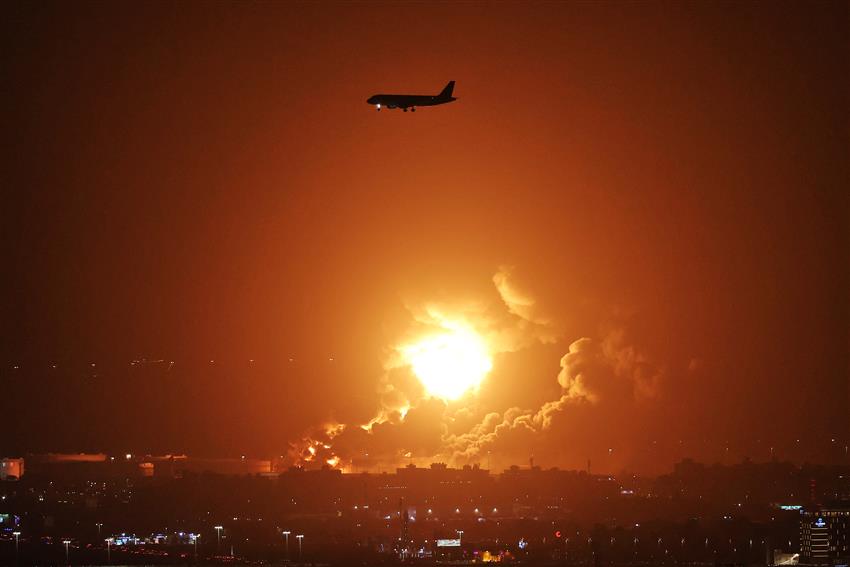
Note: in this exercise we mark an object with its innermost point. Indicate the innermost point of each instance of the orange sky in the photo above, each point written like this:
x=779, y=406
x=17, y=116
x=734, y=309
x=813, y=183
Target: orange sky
x=205, y=181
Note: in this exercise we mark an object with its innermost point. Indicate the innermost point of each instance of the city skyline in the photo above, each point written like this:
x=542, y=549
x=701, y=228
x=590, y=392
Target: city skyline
x=88, y=510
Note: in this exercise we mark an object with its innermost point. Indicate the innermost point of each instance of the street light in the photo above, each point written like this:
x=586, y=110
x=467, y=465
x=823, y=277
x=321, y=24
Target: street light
x=99, y=525
x=109, y=541
x=17, y=535
x=286, y=535
x=195, y=541
x=218, y=534
x=67, y=543
x=299, y=537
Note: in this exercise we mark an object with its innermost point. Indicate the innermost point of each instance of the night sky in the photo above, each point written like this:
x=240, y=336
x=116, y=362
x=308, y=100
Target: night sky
x=195, y=182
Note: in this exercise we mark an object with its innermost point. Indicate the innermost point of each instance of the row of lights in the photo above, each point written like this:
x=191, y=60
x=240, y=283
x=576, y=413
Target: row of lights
x=109, y=541
x=65, y=542
x=170, y=363
x=300, y=537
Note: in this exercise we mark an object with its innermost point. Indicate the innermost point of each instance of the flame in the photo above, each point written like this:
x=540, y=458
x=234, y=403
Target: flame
x=450, y=359
x=451, y=362
x=316, y=448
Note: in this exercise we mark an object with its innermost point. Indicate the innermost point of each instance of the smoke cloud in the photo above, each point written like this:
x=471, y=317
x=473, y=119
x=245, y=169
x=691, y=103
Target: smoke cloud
x=598, y=378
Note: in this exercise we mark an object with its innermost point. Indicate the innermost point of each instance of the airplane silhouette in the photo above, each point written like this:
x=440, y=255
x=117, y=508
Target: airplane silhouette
x=412, y=101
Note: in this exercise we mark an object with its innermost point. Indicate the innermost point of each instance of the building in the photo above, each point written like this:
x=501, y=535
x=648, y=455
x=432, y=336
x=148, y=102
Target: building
x=11, y=469
x=824, y=535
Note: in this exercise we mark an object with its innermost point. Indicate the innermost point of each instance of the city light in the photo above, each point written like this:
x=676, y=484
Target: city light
x=286, y=536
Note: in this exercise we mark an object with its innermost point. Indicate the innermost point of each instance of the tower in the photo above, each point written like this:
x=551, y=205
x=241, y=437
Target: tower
x=404, y=539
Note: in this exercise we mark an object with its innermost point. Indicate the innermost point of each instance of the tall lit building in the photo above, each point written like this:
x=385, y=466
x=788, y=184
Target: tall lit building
x=824, y=534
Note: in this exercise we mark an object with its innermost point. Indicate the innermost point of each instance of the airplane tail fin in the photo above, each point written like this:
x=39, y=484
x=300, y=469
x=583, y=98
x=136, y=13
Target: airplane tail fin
x=447, y=92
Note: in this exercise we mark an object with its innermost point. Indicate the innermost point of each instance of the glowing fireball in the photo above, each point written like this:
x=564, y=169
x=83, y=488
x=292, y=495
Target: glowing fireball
x=450, y=363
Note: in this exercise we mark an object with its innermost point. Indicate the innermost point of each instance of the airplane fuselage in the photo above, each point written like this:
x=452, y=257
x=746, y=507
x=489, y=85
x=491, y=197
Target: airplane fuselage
x=406, y=102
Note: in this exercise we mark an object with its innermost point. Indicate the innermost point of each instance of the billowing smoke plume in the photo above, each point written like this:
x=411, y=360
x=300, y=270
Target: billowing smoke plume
x=591, y=372
x=597, y=376
x=531, y=323
x=608, y=368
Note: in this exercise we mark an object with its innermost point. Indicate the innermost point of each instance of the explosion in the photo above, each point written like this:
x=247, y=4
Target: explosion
x=445, y=355
x=450, y=363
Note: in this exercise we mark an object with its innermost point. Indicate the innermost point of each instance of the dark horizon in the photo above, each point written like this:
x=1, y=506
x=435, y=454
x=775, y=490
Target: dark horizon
x=129, y=408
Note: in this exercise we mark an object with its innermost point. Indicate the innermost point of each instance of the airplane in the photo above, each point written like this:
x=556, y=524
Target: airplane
x=412, y=101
